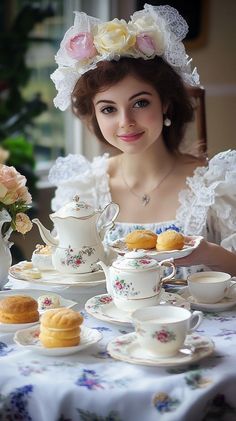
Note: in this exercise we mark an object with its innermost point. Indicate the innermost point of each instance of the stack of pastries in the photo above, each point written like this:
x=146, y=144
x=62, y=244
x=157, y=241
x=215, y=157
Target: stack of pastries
x=18, y=309
x=146, y=239
x=60, y=327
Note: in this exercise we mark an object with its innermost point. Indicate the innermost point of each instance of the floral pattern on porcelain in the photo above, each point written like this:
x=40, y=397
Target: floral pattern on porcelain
x=98, y=301
x=75, y=260
x=164, y=335
x=122, y=288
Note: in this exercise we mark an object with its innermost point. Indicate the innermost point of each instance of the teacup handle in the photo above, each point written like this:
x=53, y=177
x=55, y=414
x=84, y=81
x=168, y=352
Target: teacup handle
x=231, y=288
x=168, y=263
x=195, y=320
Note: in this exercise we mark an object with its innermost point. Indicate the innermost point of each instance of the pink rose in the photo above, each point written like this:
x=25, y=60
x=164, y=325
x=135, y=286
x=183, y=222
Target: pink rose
x=12, y=186
x=81, y=46
x=145, y=44
x=23, y=223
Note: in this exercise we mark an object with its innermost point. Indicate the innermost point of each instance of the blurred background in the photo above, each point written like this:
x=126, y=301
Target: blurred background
x=36, y=133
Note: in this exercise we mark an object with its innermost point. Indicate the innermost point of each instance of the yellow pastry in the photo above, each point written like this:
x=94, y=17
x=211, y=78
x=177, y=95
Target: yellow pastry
x=170, y=240
x=60, y=327
x=141, y=239
x=18, y=309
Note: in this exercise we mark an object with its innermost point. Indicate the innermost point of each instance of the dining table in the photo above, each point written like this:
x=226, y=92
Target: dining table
x=112, y=380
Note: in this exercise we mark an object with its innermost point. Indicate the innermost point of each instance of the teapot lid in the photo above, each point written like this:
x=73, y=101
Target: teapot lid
x=75, y=209
x=135, y=260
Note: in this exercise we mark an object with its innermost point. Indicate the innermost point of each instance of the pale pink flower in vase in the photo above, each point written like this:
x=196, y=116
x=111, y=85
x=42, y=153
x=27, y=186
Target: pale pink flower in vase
x=81, y=47
x=14, y=202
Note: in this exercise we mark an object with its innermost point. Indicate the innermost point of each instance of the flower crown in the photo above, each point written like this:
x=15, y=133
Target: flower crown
x=153, y=31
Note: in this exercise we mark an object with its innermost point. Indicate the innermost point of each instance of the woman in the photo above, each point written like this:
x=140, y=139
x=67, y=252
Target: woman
x=127, y=83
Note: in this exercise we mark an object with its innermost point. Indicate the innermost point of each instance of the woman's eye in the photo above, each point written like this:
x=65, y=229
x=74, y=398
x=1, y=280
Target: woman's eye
x=141, y=103
x=107, y=110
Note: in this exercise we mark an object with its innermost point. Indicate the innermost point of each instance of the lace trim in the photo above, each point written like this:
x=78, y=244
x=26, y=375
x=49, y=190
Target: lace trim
x=211, y=193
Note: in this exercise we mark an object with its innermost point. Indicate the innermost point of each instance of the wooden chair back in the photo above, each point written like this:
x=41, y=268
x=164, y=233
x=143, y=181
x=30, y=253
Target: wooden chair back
x=197, y=93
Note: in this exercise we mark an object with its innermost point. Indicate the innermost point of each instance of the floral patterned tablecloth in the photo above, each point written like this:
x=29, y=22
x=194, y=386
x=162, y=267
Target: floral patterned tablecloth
x=91, y=386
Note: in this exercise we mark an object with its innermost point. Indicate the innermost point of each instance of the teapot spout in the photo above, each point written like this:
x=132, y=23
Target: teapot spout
x=105, y=268
x=107, y=275
x=47, y=237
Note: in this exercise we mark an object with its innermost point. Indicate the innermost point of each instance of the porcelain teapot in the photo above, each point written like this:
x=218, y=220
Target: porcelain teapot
x=80, y=230
x=135, y=280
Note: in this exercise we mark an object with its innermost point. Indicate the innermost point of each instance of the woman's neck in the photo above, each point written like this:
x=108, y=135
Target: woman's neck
x=149, y=166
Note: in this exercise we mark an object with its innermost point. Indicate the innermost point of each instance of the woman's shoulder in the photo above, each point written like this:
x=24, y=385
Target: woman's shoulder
x=187, y=164
x=210, y=191
x=219, y=168
x=77, y=167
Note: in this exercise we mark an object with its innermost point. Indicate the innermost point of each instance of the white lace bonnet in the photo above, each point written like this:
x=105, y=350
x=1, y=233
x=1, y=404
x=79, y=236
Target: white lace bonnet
x=153, y=31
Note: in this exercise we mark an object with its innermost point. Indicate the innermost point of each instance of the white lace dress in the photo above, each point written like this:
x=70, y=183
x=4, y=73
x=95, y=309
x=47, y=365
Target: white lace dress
x=207, y=207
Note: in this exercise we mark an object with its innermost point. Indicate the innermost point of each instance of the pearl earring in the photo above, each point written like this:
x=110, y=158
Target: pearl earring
x=167, y=122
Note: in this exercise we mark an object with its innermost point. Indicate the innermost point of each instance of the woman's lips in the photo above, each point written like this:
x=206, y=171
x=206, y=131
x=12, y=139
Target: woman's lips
x=131, y=137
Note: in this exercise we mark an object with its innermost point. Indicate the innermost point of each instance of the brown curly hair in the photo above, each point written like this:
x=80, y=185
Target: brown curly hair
x=157, y=72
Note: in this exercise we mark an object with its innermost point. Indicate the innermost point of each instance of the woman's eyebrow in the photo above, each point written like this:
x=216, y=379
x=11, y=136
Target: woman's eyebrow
x=108, y=101
x=139, y=93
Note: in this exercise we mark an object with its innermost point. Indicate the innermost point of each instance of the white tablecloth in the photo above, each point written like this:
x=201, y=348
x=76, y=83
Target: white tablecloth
x=90, y=385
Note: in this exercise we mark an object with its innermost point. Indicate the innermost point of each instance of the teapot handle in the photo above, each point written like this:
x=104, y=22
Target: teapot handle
x=110, y=222
x=170, y=263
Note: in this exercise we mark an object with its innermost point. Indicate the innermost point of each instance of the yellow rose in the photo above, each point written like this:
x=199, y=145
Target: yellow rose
x=113, y=37
x=147, y=25
x=23, y=223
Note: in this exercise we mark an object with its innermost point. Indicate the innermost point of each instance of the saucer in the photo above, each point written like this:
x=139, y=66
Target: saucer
x=102, y=307
x=119, y=246
x=13, y=327
x=28, y=338
x=53, y=277
x=224, y=304
x=36, y=293
x=127, y=348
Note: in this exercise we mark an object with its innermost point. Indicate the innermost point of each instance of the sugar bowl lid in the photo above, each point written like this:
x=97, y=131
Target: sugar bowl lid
x=75, y=209
x=135, y=260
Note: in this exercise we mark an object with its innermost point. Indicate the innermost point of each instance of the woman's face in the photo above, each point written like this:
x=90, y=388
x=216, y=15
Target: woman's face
x=130, y=115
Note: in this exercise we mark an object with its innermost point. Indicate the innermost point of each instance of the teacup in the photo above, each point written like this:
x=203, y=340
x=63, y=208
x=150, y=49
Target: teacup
x=210, y=287
x=161, y=330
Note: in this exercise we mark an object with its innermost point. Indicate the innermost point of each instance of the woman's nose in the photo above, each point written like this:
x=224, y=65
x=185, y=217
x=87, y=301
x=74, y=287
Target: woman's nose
x=127, y=120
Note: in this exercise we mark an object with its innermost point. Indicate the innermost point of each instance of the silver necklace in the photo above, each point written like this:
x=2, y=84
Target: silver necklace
x=146, y=197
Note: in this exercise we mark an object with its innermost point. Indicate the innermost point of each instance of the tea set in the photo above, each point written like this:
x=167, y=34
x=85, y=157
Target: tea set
x=134, y=283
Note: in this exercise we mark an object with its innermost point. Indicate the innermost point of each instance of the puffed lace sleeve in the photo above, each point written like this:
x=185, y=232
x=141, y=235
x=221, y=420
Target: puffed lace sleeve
x=74, y=174
x=208, y=205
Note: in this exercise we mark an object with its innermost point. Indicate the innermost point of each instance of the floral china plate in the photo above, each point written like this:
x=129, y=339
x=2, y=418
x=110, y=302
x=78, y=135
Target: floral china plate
x=53, y=277
x=120, y=247
x=29, y=339
x=127, y=348
x=102, y=307
x=223, y=305
x=36, y=293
